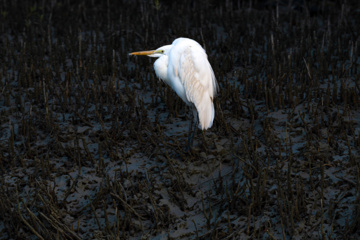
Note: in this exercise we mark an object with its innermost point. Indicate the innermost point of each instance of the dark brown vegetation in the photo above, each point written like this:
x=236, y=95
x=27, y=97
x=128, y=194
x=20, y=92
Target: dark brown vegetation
x=92, y=144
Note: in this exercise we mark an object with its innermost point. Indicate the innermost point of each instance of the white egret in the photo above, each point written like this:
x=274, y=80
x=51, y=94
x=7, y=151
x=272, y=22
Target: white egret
x=184, y=66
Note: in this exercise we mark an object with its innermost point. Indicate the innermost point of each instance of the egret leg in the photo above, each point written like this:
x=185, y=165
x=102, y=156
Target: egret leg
x=189, y=135
x=192, y=131
x=204, y=138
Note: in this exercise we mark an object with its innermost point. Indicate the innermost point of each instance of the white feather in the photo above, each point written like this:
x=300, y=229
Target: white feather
x=184, y=66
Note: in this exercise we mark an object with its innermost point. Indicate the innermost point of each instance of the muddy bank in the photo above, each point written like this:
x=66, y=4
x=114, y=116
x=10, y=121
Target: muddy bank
x=92, y=144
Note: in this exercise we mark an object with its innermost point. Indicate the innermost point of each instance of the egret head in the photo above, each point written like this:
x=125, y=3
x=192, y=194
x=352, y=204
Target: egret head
x=164, y=50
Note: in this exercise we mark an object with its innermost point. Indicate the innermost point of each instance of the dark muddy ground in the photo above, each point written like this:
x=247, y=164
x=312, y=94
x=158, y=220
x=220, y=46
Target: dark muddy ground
x=92, y=143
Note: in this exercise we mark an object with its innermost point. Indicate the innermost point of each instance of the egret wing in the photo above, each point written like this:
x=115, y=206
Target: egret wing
x=194, y=71
x=196, y=74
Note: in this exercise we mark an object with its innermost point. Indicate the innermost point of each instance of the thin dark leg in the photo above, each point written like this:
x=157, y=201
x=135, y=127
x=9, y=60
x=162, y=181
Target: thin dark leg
x=189, y=144
x=204, y=138
x=192, y=132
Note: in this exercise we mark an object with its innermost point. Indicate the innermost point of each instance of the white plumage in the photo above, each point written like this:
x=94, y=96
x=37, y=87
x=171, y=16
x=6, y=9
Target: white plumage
x=184, y=66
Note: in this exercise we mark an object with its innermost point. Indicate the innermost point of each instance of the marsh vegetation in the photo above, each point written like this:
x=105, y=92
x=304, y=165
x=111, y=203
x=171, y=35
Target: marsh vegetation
x=92, y=143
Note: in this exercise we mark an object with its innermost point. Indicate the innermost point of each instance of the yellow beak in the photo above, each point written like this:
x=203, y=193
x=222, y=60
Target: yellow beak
x=143, y=52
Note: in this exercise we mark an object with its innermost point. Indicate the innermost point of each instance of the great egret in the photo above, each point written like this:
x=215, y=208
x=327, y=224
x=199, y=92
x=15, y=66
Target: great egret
x=184, y=66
